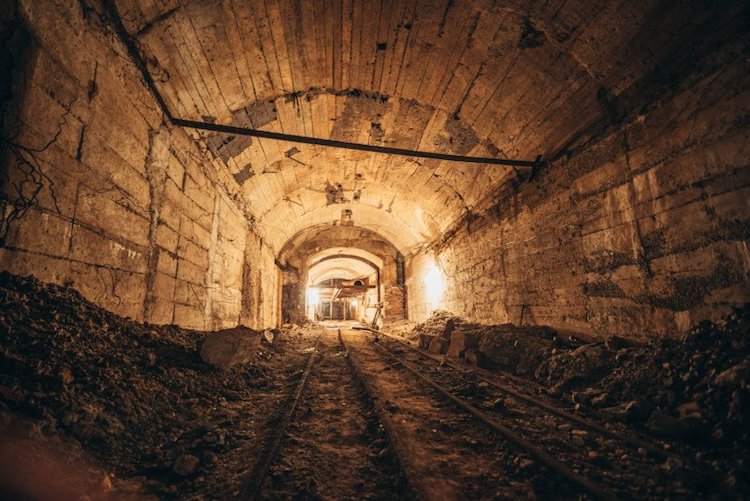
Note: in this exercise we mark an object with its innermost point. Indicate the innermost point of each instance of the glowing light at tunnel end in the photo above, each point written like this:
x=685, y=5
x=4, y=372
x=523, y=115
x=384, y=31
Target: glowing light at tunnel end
x=313, y=297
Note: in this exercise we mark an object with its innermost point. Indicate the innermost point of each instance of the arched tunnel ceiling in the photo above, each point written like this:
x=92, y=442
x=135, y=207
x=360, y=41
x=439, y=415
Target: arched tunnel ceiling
x=344, y=267
x=317, y=241
x=336, y=252
x=475, y=77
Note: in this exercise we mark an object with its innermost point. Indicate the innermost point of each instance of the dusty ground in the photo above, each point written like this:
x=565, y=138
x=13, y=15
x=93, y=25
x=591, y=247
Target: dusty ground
x=95, y=405
x=335, y=447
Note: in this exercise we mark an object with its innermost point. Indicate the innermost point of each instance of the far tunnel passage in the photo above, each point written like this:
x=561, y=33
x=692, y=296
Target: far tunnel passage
x=343, y=287
x=342, y=273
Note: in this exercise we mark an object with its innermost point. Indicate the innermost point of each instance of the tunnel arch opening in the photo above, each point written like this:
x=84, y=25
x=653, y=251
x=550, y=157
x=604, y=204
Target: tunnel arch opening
x=350, y=265
x=343, y=287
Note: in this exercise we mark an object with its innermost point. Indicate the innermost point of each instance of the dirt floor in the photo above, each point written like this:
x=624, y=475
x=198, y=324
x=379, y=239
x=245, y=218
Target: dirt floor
x=95, y=405
x=335, y=447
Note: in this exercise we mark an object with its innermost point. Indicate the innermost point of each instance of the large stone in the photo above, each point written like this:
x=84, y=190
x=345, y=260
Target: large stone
x=186, y=464
x=438, y=345
x=229, y=347
x=461, y=341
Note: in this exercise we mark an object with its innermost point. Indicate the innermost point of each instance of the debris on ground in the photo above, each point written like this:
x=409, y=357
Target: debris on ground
x=695, y=389
x=229, y=347
x=136, y=396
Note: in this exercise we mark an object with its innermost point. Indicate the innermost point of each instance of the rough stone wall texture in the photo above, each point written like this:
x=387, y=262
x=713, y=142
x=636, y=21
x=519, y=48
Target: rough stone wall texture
x=642, y=231
x=261, y=277
x=114, y=203
x=393, y=302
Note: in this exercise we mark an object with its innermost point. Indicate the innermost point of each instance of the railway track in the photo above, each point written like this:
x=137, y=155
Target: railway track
x=516, y=387
x=329, y=442
x=601, y=462
x=448, y=453
x=376, y=418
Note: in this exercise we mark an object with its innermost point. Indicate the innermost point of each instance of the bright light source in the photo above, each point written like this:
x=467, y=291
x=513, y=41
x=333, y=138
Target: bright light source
x=434, y=284
x=313, y=297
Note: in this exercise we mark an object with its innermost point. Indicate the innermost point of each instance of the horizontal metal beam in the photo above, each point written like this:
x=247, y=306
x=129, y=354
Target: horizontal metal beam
x=292, y=138
x=133, y=51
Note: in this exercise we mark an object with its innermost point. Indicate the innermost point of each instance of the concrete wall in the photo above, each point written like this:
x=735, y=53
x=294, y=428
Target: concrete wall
x=261, y=301
x=641, y=231
x=98, y=193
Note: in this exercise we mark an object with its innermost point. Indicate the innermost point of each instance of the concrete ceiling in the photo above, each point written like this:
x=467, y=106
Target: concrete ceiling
x=475, y=77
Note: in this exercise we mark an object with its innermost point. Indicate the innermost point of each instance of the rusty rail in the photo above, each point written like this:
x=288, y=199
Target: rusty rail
x=585, y=484
x=587, y=423
x=399, y=448
x=254, y=482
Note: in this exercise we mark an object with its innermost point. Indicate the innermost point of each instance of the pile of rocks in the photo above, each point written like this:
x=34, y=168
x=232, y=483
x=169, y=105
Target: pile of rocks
x=695, y=389
x=517, y=349
x=137, y=395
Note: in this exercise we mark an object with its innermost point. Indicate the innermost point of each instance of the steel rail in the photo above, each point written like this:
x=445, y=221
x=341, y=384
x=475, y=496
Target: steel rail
x=656, y=451
x=399, y=448
x=254, y=482
x=584, y=483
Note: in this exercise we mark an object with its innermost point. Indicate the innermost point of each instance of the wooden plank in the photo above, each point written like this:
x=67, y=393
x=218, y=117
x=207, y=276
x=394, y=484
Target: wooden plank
x=386, y=10
x=368, y=44
x=356, y=44
x=338, y=44
x=191, y=39
x=238, y=51
x=458, y=26
x=401, y=42
x=266, y=41
x=209, y=22
x=417, y=64
x=346, y=43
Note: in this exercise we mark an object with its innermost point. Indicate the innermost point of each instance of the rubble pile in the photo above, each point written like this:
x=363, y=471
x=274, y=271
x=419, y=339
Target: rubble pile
x=519, y=349
x=136, y=395
x=695, y=389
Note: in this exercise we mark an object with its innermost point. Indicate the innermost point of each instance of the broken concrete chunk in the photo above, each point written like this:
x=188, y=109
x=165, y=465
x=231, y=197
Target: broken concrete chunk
x=461, y=341
x=268, y=336
x=229, y=347
x=185, y=464
x=663, y=424
x=438, y=346
x=734, y=375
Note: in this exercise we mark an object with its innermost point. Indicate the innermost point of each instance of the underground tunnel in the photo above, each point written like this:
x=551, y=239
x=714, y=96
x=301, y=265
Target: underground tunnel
x=381, y=249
